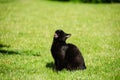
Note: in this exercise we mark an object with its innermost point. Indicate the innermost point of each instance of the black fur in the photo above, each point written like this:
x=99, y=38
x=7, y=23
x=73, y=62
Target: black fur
x=66, y=55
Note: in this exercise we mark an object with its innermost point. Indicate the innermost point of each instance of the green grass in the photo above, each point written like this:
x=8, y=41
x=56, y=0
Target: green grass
x=26, y=32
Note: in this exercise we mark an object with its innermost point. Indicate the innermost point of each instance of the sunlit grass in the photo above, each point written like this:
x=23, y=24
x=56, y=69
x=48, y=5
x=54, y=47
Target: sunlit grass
x=27, y=27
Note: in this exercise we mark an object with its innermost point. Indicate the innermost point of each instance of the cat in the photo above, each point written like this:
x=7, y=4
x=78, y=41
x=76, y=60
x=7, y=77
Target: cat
x=66, y=55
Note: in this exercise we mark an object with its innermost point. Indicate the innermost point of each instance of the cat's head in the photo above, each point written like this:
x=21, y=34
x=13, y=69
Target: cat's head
x=60, y=35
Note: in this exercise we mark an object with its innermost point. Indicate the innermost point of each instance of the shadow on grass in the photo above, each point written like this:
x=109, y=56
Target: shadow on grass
x=50, y=65
x=4, y=49
x=2, y=45
x=8, y=52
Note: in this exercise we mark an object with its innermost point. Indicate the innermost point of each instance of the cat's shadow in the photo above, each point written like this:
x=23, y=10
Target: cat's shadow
x=50, y=65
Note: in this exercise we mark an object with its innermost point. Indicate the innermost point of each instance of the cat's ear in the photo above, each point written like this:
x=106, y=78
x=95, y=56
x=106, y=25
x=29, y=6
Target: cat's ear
x=68, y=35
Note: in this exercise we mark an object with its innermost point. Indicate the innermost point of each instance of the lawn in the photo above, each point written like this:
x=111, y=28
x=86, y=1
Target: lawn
x=26, y=33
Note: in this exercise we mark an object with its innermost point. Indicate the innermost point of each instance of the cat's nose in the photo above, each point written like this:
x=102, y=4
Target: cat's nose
x=55, y=35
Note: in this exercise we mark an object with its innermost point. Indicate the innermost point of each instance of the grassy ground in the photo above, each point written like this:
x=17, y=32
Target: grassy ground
x=27, y=28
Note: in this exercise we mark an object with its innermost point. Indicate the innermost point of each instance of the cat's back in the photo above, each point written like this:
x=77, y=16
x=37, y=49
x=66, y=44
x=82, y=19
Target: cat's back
x=72, y=47
x=72, y=50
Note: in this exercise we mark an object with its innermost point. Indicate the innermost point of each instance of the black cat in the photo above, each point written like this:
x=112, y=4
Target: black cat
x=66, y=55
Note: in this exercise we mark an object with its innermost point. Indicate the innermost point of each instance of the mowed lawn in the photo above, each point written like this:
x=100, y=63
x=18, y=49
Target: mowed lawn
x=26, y=33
